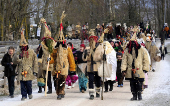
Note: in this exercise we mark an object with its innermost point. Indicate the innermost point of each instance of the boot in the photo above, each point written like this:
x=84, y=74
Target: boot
x=23, y=99
x=30, y=96
x=49, y=91
x=91, y=97
x=91, y=93
x=97, y=95
x=106, y=86
x=134, y=96
x=40, y=89
x=111, y=86
x=62, y=96
x=139, y=95
x=97, y=92
x=59, y=97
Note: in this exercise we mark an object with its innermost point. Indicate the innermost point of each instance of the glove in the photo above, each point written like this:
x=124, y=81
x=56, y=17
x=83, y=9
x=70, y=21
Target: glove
x=123, y=72
x=104, y=57
x=7, y=64
x=144, y=71
x=48, y=59
x=35, y=74
x=85, y=53
x=75, y=58
x=21, y=56
x=72, y=73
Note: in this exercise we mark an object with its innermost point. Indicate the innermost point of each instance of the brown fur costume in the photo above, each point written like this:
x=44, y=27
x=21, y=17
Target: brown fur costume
x=63, y=60
x=29, y=64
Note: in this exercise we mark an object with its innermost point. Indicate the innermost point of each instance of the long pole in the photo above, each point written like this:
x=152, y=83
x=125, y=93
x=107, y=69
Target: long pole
x=103, y=71
x=165, y=12
x=46, y=77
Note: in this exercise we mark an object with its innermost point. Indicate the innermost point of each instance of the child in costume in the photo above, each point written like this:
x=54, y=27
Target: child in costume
x=71, y=79
x=81, y=69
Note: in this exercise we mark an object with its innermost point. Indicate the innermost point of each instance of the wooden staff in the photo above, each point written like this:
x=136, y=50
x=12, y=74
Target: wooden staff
x=104, y=46
x=46, y=77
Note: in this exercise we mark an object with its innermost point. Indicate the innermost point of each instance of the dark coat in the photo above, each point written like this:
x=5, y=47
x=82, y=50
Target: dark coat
x=9, y=69
x=79, y=55
x=162, y=35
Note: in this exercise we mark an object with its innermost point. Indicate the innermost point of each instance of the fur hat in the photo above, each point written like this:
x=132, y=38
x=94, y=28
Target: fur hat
x=47, y=32
x=60, y=37
x=23, y=41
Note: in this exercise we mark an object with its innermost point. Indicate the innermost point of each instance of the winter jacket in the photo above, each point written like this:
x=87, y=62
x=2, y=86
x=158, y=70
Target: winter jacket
x=29, y=64
x=79, y=55
x=9, y=69
x=141, y=63
x=162, y=35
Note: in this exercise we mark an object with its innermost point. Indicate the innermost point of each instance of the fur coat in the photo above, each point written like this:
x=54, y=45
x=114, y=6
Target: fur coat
x=141, y=63
x=28, y=64
x=89, y=57
x=45, y=56
x=152, y=49
x=62, y=60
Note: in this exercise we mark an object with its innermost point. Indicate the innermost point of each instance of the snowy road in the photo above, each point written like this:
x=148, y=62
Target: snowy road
x=158, y=93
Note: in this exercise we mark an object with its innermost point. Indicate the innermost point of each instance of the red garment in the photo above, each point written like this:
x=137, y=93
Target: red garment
x=83, y=45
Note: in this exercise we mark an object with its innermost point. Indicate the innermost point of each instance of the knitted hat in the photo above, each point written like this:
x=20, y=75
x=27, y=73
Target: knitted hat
x=23, y=41
x=83, y=45
x=60, y=37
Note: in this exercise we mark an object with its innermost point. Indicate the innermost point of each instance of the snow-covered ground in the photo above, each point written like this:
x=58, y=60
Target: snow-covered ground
x=157, y=93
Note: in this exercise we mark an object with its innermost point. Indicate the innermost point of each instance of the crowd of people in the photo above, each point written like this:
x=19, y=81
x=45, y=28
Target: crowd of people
x=131, y=55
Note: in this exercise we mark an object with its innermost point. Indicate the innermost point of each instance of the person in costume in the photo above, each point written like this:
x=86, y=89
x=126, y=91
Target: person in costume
x=145, y=83
x=110, y=64
x=88, y=56
x=63, y=60
x=134, y=63
x=118, y=71
x=71, y=79
x=95, y=56
x=81, y=69
x=153, y=51
x=47, y=46
x=27, y=67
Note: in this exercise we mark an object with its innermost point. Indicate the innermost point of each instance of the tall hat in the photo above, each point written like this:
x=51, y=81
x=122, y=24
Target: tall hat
x=134, y=38
x=60, y=37
x=23, y=41
x=135, y=29
x=102, y=36
x=92, y=35
x=47, y=32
